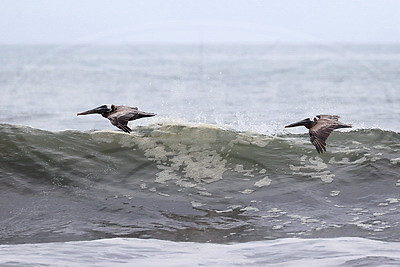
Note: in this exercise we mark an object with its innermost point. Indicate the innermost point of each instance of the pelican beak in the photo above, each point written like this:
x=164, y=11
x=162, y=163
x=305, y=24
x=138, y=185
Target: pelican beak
x=299, y=123
x=98, y=110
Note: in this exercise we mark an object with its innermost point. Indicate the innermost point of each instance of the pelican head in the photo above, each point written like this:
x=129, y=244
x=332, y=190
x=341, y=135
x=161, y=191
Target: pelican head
x=104, y=109
x=306, y=122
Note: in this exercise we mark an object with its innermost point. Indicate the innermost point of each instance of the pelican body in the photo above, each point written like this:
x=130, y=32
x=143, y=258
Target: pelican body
x=119, y=115
x=320, y=128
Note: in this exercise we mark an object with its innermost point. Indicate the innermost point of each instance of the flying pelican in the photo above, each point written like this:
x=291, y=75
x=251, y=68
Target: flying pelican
x=119, y=115
x=320, y=128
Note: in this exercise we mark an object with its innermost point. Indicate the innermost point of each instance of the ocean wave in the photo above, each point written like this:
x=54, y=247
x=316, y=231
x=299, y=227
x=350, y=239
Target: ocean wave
x=189, y=155
x=166, y=179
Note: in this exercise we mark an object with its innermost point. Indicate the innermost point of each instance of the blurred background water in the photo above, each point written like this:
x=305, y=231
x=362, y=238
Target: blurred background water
x=256, y=87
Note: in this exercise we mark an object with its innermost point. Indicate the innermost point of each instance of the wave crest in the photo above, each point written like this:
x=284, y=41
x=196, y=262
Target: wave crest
x=189, y=155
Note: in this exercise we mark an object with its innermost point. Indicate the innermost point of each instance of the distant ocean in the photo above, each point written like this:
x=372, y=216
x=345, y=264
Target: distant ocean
x=214, y=178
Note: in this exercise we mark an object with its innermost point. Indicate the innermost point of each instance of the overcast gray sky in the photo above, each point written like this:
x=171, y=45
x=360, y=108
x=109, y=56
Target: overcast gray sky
x=229, y=21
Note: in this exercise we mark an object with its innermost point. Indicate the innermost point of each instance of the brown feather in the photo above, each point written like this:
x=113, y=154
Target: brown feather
x=322, y=128
x=121, y=115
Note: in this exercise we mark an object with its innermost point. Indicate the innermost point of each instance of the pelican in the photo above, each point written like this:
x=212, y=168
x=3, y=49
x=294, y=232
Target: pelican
x=320, y=127
x=119, y=115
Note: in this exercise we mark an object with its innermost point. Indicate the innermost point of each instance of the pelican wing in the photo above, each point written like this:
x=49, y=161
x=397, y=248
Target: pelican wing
x=134, y=115
x=121, y=117
x=329, y=117
x=120, y=122
x=318, y=138
x=126, y=108
x=322, y=129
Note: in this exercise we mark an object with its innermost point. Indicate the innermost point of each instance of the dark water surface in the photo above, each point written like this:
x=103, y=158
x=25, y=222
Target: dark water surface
x=196, y=183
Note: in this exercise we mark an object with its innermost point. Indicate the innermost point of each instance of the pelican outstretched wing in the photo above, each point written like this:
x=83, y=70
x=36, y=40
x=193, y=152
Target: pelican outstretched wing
x=321, y=131
x=125, y=114
x=120, y=123
x=328, y=117
x=318, y=138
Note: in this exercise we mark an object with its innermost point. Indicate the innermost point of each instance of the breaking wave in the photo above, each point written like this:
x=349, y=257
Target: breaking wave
x=164, y=179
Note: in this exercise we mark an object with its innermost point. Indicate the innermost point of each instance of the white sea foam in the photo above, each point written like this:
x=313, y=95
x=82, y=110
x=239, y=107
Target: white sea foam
x=395, y=161
x=140, y=252
x=263, y=182
x=316, y=169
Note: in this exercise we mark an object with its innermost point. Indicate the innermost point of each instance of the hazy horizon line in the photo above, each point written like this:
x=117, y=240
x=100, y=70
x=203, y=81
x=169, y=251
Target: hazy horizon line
x=167, y=43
